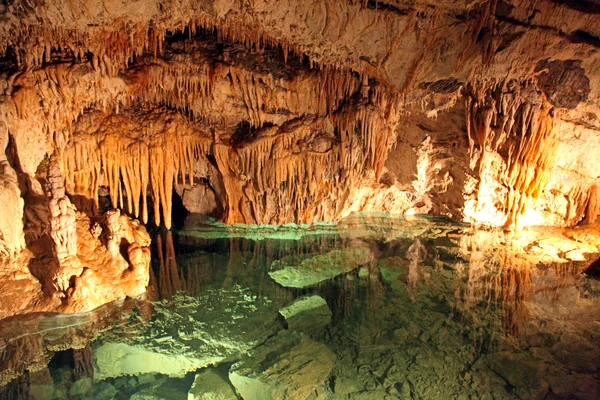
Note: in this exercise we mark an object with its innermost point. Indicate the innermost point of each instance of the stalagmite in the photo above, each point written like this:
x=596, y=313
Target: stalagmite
x=63, y=228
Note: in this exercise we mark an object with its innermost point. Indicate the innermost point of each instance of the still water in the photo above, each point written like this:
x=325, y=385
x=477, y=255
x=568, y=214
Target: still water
x=371, y=308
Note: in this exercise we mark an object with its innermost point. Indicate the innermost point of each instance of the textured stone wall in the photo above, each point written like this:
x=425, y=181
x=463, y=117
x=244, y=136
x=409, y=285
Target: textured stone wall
x=273, y=112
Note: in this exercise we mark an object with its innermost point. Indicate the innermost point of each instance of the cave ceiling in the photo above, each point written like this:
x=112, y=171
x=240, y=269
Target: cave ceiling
x=295, y=111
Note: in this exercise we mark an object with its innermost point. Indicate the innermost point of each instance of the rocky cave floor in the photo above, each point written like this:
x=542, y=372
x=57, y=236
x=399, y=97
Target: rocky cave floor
x=371, y=308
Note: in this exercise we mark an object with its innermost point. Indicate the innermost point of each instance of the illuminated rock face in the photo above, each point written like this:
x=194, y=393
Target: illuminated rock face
x=271, y=113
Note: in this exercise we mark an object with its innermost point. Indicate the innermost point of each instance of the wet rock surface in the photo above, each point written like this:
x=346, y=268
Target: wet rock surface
x=288, y=366
x=209, y=385
x=308, y=314
x=300, y=272
x=189, y=333
x=441, y=311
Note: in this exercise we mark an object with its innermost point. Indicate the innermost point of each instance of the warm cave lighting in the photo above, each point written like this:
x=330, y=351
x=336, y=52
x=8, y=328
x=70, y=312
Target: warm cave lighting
x=334, y=199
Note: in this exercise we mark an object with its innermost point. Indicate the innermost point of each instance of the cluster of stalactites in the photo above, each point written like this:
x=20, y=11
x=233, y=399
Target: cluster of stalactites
x=130, y=166
x=189, y=88
x=306, y=181
x=112, y=48
x=318, y=94
x=185, y=86
x=504, y=118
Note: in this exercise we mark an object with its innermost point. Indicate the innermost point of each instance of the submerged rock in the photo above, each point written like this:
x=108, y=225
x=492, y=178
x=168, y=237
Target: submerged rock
x=288, y=366
x=209, y=385
x=521, y=372
x=308, y=272
x=162, y=389
x=581, y=386
x=188, y=333
x=116, y=359
x=394, y=269
x=47, y=392
x=344, y=386
x=103, y=391
x=81, y=388
x=308, y=314
x=577, y=353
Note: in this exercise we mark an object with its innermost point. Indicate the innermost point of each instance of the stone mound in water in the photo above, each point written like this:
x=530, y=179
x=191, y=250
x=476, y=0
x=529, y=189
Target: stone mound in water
x=287, y=366
x=299, y=273
x=188, y=333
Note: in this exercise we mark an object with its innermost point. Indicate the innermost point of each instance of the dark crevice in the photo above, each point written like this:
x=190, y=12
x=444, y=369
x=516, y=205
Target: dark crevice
x=178, y=211
x=449, y=85
x=378, y=5
x=593, y=270
x=588, y=7
x=517, y=22
x=12, y=155
x=578, y=36
x=8, y=62
x=246, y=133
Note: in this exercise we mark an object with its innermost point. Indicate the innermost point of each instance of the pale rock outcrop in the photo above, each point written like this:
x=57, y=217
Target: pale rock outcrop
x=190, y=333
x=308, y=314
x=12, y=240
x=200, y=198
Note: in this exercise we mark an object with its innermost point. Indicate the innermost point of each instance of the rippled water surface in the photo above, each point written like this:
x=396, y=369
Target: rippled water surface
x=371, y=308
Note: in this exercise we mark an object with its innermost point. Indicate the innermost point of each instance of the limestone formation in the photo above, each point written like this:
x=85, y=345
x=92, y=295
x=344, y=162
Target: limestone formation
x=290, y=112
x=12, y=240
x=63, y=229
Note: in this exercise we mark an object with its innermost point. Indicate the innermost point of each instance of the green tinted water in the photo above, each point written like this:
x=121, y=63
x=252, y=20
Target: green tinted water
x=371, y=308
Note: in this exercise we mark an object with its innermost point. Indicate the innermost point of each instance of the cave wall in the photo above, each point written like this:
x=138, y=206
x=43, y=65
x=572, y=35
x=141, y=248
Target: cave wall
x=276, y=66
x=263, y=112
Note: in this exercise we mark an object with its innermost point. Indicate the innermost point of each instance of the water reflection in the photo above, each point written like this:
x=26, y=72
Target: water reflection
x=432, y=310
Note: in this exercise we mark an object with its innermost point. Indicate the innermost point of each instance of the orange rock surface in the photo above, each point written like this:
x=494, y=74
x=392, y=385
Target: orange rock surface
x=278, y=112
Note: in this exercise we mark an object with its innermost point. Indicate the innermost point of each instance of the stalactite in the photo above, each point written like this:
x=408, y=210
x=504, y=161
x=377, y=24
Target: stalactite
x=187, y=85
x=500, y=119
x=484, y=17
x=279, y=167
x=184, y=86
x=130, y=162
